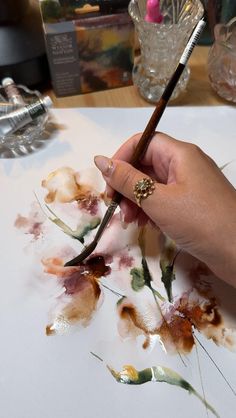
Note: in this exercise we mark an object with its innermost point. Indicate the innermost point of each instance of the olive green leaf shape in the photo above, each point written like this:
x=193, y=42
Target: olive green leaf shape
x=129, y=375
x=142, y=277
x=137, y=282
x=167, y=277
x=78, y=234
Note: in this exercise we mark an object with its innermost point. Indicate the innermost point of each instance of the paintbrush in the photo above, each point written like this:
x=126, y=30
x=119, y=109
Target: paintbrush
x=145, y=139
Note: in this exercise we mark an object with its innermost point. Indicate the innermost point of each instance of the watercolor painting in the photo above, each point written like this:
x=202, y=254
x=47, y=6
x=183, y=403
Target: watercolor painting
x=154, y=305
x=139, y=324
x=106, y=53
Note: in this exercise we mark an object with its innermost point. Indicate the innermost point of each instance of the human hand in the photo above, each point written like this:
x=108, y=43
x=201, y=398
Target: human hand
x=193, y=202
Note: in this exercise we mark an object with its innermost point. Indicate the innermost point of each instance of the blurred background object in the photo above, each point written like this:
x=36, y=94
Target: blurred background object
x=25, y=120
x=216, y=11
x=90, y=44
x=22, y=45
x=161, y=44
x=222, y=61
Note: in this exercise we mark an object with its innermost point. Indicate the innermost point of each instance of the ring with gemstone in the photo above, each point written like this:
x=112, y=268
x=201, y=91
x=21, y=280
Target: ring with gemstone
x=142, y=189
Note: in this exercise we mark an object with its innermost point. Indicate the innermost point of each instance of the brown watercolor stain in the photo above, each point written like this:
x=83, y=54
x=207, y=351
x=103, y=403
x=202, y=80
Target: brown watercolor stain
x=64, y=185
x=134, y=322
x=189, y=315
x=177, y=334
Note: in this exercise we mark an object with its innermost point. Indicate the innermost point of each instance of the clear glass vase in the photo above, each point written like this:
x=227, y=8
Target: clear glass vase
x=161, y=45
x=222, y=61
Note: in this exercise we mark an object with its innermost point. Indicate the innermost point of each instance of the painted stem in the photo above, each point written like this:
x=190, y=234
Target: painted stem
x=217, y=367
x=111, y=290
x=164, y=374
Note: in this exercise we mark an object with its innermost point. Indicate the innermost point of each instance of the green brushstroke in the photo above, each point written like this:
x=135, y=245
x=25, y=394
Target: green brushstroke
x=142, y=277
x=129, y=375
x=167, y=277
x=121, y=300
x=79, y=233
x=147, y=277
x=137, y=282
x=87, y=228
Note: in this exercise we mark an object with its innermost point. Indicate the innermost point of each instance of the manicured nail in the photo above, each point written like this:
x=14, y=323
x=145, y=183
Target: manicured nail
x=104, y=164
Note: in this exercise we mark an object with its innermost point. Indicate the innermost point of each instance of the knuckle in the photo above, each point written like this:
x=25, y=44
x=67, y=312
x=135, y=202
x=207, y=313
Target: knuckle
x=129, y=178
x=124, y=178
x=191, y=151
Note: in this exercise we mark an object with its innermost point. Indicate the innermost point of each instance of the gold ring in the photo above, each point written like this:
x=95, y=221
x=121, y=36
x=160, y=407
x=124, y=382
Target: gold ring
x=142, y=189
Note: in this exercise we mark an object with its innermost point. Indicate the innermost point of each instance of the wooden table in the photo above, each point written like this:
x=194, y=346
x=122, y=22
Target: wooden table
x=198, y=93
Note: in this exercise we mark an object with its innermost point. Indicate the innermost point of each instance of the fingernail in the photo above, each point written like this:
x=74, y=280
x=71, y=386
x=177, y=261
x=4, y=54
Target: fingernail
x=104, y=164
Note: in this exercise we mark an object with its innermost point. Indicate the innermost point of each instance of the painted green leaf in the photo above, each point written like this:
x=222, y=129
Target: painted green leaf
x=137, y=282
x=142, y=277
x=146, y=272
x=78, y=234
x=82, y=232
x=148, y=279
x=167, y=278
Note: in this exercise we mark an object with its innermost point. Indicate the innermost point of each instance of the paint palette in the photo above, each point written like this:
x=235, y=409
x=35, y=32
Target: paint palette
x=101, y=337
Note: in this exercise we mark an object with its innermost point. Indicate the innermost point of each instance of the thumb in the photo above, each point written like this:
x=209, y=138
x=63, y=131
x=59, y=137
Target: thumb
x=123, y=177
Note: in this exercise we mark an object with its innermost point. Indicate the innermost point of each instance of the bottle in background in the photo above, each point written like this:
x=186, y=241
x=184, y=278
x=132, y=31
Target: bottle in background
x=12, y=92
x=7, y=107
x=21, y=117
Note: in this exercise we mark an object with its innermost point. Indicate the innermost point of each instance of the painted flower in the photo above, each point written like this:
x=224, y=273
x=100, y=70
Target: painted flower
x=82, y=292
x=174, y=325
x=63, y=186
x=33, y=223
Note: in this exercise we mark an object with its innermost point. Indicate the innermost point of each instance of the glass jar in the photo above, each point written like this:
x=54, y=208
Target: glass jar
x=222, y=61
x=162, y=44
